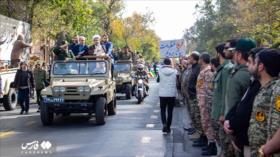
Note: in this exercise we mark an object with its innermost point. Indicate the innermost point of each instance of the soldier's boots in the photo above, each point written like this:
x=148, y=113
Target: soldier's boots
x=211, y=151
x=191, y=131
x=201, y=142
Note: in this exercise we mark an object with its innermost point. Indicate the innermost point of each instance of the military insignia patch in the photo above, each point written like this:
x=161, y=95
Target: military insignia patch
x=260, y=116
x=210, y=86
x=199, y=83
x=277, y=103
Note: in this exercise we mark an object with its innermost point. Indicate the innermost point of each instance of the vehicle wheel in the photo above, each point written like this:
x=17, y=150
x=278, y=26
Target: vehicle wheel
x=112, y=106
x=140, y=97
x=99, y=111
x=46, y=115
x=128, y=91
x=10, y=100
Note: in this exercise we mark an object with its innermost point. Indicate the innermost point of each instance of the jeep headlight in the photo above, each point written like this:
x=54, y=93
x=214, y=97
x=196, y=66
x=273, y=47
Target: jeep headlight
x=56, y=89
x=62, y=89
x=84, y=89
x=59, y=89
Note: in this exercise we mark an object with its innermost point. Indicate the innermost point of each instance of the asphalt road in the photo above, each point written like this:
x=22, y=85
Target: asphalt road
x=134, y=132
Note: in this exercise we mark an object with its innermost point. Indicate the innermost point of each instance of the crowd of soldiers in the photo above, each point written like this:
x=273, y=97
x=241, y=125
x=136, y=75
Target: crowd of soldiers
x=233, y=99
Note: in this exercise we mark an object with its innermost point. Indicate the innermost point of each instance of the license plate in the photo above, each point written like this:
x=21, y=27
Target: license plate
x=53, y=100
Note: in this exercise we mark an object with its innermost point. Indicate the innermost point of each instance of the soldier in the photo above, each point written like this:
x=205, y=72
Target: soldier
x=204, y=89
x=186, y=67
x=40, y=77
x=62, y=52
x=194, y=109
x=237, y=119
x=220, y=80
x=126, y=54
x=237, y=84
x=184, y=89
x=265, y=115
x=229, y=48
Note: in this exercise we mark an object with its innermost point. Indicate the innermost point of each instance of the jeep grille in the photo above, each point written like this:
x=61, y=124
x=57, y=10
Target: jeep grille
x=71, y=91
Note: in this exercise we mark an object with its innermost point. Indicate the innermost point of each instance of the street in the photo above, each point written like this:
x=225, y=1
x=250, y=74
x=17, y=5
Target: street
x=134, y=132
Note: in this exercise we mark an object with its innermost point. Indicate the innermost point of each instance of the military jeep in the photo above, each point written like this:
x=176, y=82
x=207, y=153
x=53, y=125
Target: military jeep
x=122, y=75
x=79, y=86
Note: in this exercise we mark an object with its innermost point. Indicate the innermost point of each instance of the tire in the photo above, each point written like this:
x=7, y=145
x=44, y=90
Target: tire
x=112, y=107
x=99, y=111
x=10, y=100
x=140, y=97
x=128, y=91
x=46, y=115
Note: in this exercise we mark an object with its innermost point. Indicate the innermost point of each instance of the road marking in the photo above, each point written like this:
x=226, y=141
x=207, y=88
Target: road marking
x=17, y=116
x=6, y=134
x=150, y=125
x=154, y=117
x=146, y=139
x=156, y=111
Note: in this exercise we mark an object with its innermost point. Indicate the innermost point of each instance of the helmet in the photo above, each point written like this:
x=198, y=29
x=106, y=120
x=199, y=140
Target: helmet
x=140, y=67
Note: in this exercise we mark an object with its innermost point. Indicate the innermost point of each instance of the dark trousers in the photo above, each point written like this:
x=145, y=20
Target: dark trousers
x=39, y=96
x=166, y=102
x=23, y=99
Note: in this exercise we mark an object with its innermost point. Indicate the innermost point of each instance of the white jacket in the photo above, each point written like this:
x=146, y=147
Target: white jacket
x=167, y=82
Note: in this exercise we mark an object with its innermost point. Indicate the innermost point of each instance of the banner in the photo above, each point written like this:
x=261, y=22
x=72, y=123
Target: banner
x=172, y=48
x=9, y=31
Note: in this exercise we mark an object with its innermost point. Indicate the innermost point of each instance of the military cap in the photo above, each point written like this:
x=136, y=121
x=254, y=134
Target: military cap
x=245, y=45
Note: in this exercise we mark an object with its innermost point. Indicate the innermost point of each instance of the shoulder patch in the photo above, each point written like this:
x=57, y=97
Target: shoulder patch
x=260, y=116
x=199, y=83
x=277, y=103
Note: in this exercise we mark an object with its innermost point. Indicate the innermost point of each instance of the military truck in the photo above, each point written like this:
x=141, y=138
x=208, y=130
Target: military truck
x=79, y=86
x=122, y=74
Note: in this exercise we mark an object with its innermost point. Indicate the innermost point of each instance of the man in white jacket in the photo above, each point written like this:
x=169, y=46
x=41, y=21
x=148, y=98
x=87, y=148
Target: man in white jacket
x=167, y=93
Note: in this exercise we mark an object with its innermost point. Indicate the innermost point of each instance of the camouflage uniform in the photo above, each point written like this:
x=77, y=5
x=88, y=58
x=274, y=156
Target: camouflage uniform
x=184, y=86
x=265, y=117
x=194, y=109
x=204, y=88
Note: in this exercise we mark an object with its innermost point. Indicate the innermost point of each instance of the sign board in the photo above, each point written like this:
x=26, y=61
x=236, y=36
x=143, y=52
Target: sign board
x=172, y=48
x=9, y=31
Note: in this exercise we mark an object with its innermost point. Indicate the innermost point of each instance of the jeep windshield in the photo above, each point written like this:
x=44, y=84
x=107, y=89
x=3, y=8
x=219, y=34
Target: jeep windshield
x=79, y=68
x=122, y=68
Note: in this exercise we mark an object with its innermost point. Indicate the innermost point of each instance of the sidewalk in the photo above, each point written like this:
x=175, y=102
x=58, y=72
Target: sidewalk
x=182, y=145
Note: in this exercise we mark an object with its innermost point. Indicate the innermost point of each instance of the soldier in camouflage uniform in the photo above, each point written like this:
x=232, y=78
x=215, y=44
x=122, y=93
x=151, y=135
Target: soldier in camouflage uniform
x=194, y=109
x=265, y=117
x=204, y=89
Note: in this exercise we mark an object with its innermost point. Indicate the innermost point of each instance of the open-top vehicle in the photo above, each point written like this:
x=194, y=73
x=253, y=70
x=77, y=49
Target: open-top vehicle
x=80, y=86
x=122, y=74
